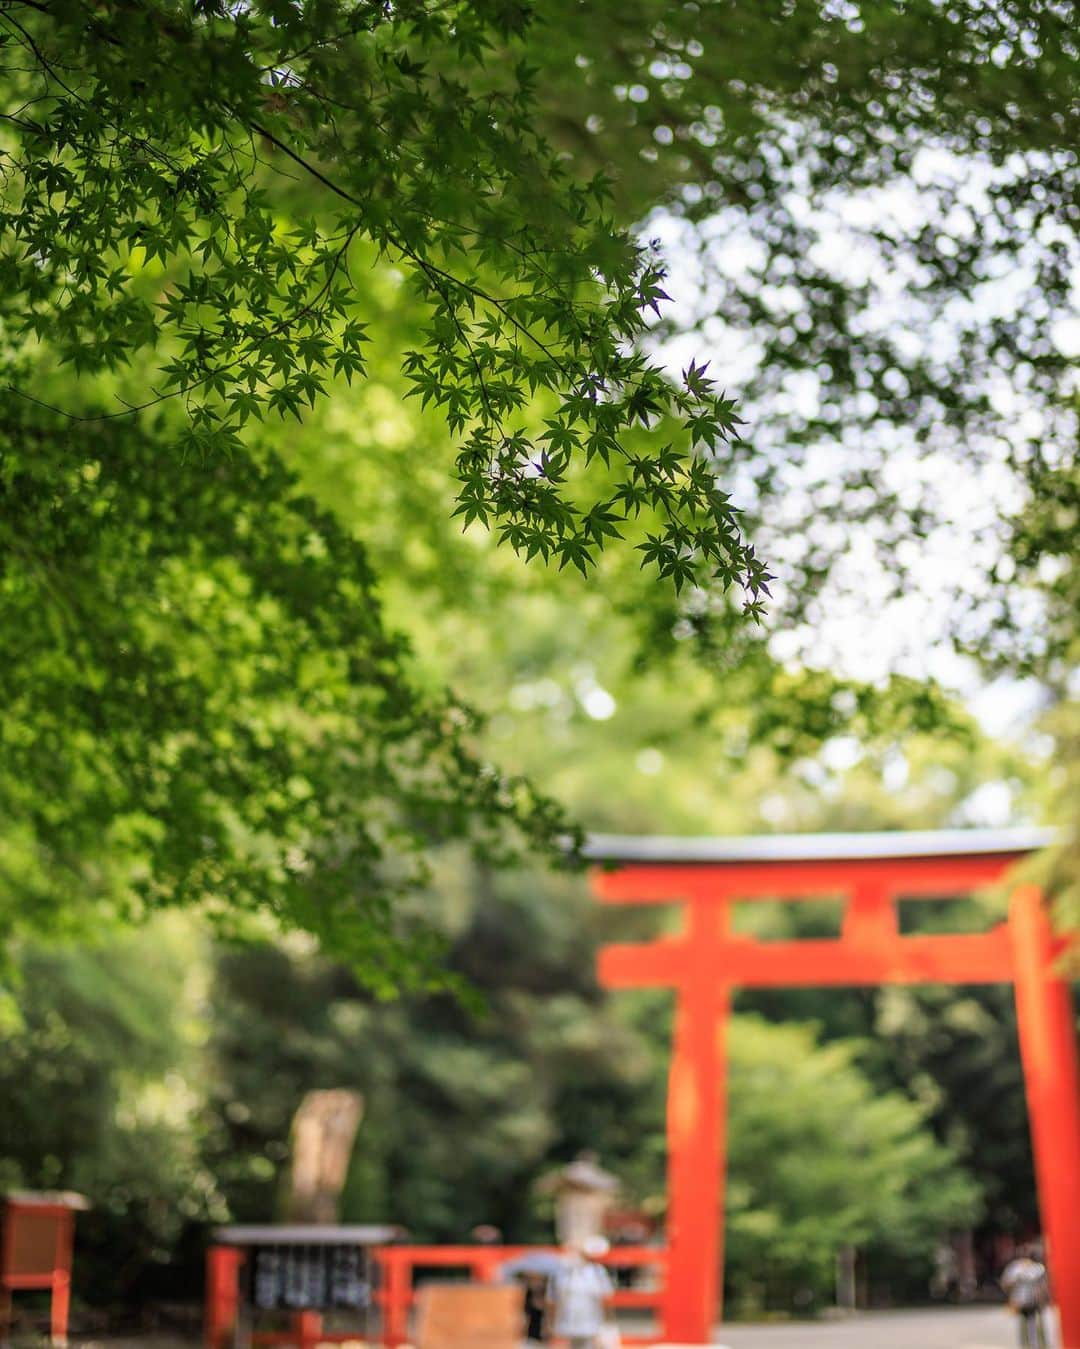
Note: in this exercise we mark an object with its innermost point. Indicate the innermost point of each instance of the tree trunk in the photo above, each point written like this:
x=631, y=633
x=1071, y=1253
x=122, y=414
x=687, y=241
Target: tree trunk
x=845, y=1278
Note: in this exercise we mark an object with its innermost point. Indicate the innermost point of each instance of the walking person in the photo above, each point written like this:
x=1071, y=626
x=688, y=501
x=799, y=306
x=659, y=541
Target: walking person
x=579, y=1290
x=536, y=1309
x=1026, y=1287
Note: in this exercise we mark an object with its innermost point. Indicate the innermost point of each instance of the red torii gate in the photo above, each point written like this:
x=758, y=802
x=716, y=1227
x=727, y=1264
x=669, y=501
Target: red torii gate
x=870, y=873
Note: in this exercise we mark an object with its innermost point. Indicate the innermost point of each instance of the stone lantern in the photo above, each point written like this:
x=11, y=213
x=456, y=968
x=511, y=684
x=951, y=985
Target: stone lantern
x=584, y=1193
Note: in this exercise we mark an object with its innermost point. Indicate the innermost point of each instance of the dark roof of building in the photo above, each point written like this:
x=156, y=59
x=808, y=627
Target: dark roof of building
x=306, y=1234
x=816, y=847
x=47, y=1198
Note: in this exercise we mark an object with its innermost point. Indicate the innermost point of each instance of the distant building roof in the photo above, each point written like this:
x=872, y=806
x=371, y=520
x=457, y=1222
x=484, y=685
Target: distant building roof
x=306, y=1234
x=816, y=847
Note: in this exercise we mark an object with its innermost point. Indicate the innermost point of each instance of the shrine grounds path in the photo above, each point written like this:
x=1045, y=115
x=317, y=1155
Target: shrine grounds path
x=945, y=1328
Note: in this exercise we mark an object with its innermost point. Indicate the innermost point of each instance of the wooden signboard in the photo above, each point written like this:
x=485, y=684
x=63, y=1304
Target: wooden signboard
x=309, y=1277
x=35, y=1253
x=469, y=1316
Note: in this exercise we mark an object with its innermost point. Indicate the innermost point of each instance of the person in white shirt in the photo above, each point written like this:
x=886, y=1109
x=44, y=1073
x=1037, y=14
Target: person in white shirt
x=579, y=1290
x=1025, y=1284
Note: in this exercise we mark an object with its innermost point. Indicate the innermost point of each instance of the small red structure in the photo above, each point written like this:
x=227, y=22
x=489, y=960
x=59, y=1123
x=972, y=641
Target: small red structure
x=35, y=1253
x=297, y=1272
x=869, y=873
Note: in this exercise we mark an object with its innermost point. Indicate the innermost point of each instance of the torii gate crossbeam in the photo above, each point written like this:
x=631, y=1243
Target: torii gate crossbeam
x=870, y=873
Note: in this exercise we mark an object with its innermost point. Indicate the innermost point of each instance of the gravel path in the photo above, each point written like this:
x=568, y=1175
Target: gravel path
x=948, y=1328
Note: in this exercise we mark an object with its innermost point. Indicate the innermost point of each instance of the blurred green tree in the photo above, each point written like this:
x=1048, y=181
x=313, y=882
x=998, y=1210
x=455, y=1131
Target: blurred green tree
x=821, y=1159
x=100, y=1067
x=199, y=238
x=205, y=699
x=206, y=703
x=820, y=1156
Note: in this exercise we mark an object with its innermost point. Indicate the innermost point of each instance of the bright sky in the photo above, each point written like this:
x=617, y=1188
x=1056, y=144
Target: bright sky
x=862, y=630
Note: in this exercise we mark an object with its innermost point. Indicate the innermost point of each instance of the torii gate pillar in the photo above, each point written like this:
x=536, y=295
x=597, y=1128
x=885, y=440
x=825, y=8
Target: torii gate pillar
x=1046, y=1022
x=870, y=872
x=696, y=1130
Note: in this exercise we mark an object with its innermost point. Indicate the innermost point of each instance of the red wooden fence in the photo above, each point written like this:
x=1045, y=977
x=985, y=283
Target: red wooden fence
x=399, y=1266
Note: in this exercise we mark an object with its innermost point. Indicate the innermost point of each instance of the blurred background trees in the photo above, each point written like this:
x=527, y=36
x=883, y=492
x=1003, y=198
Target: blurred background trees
x=226, y=678
x=878, y=1119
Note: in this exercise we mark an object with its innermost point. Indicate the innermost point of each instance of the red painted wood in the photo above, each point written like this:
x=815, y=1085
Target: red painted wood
x=397, y=1292
x=658, y=964
x=307, y=1329
x=870, y=919
x=908, y=877
x=291, y=1337
x=59, y=1307
x=54, y=1270
x=696, y=1119
x=966, y=958
x=483, y=1262
x=705, y=962
x=395, y=1296
x=981, y=957
x=61, y=1288
x=1047, y=1028
x=222, y=1295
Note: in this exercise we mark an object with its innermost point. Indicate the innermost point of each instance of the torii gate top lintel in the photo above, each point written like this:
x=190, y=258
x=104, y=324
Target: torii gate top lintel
x=869, y=873
x=628, y=849
x=655, y=869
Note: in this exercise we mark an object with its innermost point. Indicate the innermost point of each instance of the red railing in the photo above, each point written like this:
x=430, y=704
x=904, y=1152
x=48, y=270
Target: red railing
x=396, y=1292
x=482, y=1263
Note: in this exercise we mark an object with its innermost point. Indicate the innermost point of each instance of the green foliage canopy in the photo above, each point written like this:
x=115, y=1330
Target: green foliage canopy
x=100, y=1072
x=194, y=198
x=463, y=1113
x=820, y=1159
x=152, y=147
x=203, y=704
x=189, y=194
